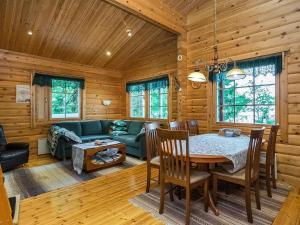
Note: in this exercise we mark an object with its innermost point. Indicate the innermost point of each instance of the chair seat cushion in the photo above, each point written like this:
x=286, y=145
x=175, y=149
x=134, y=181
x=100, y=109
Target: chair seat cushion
x=16, y=146
x=12, y=154
x=240, y=175
x=197, y=176
x=88, y=138
x=155, y=161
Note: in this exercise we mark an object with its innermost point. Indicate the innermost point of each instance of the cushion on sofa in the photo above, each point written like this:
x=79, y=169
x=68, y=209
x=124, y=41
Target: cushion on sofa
x=106, y=126
x=71, y=126
x=91, y=128
x=135, y=127
x=88, y=138
x=128, y=139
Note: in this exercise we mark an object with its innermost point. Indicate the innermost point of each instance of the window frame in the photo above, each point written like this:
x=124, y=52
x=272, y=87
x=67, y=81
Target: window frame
x=252, y=125
x=144, y=96
x=147, y=105
x=80, y=99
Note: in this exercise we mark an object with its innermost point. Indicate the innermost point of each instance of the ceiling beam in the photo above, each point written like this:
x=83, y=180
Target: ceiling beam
x=153, y=11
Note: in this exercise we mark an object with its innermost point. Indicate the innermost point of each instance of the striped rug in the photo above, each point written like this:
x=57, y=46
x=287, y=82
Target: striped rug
x=33, y=181
x=231, y=206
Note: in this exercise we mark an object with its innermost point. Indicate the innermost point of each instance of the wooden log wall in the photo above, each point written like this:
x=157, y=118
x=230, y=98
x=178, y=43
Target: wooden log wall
x=16, y=68
x=247, y=29
x=156, y=60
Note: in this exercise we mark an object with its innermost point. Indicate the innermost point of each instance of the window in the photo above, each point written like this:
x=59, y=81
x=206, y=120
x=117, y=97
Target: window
x=249, y=100
x=137, y=104
x=158, y=103
x=65, y=99
x=149, y=99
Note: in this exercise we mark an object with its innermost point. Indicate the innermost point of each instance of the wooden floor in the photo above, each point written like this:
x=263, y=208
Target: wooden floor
x=104, y=200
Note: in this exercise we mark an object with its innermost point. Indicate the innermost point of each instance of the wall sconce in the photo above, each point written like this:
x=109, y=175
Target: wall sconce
x=106, y=103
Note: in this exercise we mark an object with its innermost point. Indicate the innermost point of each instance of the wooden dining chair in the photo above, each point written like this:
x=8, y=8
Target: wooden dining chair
x=192, y=126
x=152, y=151
x=267, y=160
x=177, y=125
x=247, y=176
x=175, y=169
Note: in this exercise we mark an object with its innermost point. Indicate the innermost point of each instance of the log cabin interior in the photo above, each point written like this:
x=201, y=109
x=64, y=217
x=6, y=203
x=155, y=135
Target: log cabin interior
x=150, y=112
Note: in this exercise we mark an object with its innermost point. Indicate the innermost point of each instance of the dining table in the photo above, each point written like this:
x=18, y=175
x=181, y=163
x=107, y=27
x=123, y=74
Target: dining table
x=214, y=148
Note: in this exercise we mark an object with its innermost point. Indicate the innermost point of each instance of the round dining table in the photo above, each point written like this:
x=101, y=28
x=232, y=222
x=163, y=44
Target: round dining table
x=212, y=148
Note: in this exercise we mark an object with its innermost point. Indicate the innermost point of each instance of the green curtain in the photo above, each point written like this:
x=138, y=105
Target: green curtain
x=157, y=83
x=46, y=80
x=264, y=61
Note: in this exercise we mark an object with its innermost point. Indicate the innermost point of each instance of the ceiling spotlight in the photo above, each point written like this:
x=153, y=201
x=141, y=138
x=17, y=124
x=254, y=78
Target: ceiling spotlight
x=129, y=32
x=108, y=53
x=29, y=32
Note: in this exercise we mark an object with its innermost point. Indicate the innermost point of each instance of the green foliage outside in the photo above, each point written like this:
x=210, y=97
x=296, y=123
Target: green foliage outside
x=65, y=99
x=250, y=100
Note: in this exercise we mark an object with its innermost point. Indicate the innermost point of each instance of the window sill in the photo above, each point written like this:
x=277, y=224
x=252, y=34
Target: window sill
x=252, y=125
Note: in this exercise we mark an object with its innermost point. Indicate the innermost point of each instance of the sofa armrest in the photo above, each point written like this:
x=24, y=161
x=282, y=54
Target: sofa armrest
x=139, y=136
x=16, y=145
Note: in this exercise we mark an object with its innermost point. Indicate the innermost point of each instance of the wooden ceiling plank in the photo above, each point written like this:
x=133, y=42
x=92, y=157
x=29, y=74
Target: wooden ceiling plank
x=153, y=11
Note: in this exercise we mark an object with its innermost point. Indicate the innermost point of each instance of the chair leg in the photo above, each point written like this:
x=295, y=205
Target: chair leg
x=171, y=192
x=268, y=181
x=257, y=194
x=206, y=195
x=162, y=197
x=148, y=178
x=187, y=206
x=248, y=204
x=215, y=188
x=273, y=176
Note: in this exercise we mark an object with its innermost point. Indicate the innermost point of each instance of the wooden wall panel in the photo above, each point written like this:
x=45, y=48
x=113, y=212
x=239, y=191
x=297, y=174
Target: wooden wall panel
x=156, y=60
x=16, y=68
x=245, y=29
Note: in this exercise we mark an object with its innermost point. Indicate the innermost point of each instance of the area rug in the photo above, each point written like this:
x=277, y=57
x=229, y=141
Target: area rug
x=231, y=206
x=33, y=181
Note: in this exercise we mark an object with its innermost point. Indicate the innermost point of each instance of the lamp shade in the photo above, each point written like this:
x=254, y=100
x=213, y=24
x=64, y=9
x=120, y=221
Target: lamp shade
x=235, y=74
x=196, y=76
x=106, y=102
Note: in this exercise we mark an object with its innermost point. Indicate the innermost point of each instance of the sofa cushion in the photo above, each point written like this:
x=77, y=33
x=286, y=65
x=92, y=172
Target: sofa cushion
x=88, y=138
x=71, y=126
x=135, y=127
x=106, y=126
x=127, y=139
x=91, y=128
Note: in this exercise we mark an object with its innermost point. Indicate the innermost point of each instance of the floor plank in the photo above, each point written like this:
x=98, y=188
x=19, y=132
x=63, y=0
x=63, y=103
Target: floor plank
x=104, y=200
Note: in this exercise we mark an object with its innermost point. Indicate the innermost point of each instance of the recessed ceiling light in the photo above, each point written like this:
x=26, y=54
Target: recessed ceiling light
x=29, y=32
x=129, y=32
x=108, y=53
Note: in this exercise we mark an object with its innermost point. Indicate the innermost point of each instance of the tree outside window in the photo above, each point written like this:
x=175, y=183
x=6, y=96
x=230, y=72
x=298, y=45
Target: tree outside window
x=65, y=97
x=158, y=103
x=137, y=104
x=249, y=100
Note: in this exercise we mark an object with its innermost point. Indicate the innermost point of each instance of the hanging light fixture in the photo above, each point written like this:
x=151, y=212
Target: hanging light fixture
x=197, y=76
x=235, y=73
x=218, y=67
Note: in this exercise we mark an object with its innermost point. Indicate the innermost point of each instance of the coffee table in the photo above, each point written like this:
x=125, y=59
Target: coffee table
x=83, y=155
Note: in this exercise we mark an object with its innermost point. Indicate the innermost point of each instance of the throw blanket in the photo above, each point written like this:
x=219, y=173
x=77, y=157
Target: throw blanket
x=55, y=133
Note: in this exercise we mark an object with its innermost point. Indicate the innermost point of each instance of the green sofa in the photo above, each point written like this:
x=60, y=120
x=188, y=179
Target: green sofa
x=99, y=130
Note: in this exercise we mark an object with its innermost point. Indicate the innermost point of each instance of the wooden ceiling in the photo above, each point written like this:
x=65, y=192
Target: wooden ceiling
x=183, y=7
x=78, y=31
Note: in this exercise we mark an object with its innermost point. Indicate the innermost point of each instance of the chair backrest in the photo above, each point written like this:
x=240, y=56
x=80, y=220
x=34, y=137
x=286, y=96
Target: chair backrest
x=3, y=141
x=192, y=126
x=253, y=155
x=177, y=125
x=151, y=139
x=174, y=155
x=271, y=144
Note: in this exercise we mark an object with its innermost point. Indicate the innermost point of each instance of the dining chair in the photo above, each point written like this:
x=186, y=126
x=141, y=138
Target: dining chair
x=247, y=176
x=267, y=160
x=152, y=150
x=177, y=125
x=175, y=169
x=192, y=126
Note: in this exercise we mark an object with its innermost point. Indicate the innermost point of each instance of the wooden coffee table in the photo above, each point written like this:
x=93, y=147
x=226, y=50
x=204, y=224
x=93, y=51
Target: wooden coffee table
x=90, y=149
